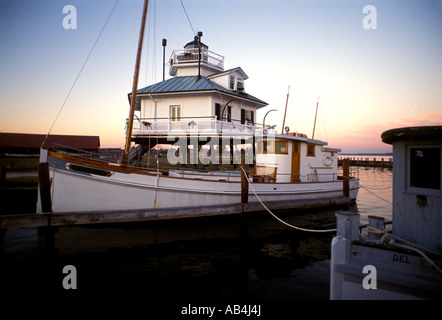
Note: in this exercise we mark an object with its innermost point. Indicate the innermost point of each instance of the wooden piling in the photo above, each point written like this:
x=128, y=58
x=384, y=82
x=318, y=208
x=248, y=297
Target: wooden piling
x=244, y=183
x=346, y=178
x=44, y=183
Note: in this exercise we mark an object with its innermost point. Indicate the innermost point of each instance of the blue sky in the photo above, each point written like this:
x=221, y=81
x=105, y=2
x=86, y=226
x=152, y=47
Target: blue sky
x=367, y=81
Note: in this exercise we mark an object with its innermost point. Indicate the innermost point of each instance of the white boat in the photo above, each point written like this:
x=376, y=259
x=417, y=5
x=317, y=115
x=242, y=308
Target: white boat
x=207, y=116
x=405, y=261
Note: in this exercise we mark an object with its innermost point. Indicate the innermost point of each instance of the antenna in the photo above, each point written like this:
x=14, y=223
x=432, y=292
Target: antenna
x=314, y=123
x=287, y=101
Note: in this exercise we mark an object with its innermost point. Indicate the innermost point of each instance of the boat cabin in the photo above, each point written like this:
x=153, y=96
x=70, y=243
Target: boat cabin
x=417, y=190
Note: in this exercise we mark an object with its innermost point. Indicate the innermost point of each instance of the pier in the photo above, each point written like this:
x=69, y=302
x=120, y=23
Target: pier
x=367, y=162
x=53, y=219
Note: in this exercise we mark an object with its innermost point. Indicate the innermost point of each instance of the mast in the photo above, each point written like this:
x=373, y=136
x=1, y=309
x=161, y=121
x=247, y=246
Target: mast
x=287, y=101
x=314, y=123
x=135, y=84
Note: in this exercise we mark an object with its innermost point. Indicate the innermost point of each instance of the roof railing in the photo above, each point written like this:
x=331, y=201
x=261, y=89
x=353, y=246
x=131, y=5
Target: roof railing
x=191, y=55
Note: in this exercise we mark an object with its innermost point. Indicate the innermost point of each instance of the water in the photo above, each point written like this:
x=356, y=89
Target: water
x=214, y=260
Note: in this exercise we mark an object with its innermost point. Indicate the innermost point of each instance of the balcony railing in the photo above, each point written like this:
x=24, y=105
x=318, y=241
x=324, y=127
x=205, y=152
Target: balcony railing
x=189, y=125
x=192, y=55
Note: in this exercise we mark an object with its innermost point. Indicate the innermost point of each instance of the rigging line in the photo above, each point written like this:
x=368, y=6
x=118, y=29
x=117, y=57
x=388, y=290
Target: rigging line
x=79, y=73
x=277, y=218
x=182, y=4
x=151, y=20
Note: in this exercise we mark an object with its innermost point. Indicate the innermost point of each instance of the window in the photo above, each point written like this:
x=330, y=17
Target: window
x=281, y=146
x=240, y=85
x=310, y=150
x=425, y=168
x=272, y=146
x=247, y=116
x=232, y=82
x=175, y=113
x=218, y=111
x=229, y=113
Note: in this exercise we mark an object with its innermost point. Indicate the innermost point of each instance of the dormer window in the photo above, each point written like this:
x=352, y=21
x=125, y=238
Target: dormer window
x=232, y=83
x=240, y=85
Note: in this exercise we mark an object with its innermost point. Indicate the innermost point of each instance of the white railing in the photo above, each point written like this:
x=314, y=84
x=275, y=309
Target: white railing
x=192, y=55
x=149, y=126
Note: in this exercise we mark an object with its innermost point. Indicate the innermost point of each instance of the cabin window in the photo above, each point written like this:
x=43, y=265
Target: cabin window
x=281, y=147
x=295, y=147
x=425, y=168
x=310, y=150
x=175, y=113
x=267, y=146
x=272, y=146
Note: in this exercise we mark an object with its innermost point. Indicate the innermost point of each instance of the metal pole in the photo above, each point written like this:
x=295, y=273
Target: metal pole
x=264, y=121
x=287, y=101
x=314, y=123
x=164, y=58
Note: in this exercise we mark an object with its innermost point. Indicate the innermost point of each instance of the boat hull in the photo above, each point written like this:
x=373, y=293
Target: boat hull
x=78, y=191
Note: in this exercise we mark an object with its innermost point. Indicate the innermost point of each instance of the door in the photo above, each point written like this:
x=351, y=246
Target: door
x=296, y=162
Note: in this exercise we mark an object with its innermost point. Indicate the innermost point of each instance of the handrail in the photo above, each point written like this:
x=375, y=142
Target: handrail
x=193, y=55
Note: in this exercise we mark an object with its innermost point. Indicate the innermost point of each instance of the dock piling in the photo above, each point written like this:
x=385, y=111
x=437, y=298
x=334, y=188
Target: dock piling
x=44, y=183
x=346, y=178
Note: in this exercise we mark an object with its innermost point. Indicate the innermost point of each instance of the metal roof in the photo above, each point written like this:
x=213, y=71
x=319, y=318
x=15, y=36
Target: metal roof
x=193, y=84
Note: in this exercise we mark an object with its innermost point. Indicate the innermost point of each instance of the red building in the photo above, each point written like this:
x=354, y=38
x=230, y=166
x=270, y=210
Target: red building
x=30, y=144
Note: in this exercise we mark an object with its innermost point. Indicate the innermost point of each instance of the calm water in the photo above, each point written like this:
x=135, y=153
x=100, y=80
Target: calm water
x=257, y=259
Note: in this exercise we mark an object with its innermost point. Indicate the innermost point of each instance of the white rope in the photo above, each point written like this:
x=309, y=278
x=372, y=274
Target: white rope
x=370, y=187
x=277, y=218
x=376, y=195
x=391, y=239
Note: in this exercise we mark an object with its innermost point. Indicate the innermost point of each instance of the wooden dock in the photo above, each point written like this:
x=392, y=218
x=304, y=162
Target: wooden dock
x=119, y=216
x=366, y=162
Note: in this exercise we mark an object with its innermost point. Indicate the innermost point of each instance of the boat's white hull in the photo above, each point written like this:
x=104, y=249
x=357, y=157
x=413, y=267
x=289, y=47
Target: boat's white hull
x=389, y=274
x=74, y=191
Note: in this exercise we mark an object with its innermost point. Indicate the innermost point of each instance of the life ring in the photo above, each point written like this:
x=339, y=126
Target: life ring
x=328, y=160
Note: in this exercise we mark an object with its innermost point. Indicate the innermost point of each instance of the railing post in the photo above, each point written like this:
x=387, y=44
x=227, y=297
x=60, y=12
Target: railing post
x=347, y=224
x=376, y=223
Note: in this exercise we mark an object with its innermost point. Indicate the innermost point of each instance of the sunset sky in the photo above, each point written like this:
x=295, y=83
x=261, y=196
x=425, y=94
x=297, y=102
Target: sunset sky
x=367, y=80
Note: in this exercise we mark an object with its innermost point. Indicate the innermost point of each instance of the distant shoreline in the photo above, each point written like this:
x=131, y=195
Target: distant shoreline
x=365, y=154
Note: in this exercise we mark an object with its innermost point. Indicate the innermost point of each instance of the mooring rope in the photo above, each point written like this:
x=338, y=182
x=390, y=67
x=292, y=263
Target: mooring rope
x=375, y=194
x=387, y=237
x=277, y=218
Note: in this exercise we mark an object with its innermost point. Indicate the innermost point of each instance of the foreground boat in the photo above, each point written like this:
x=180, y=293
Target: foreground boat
x=404, y=262
x=209, y=120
